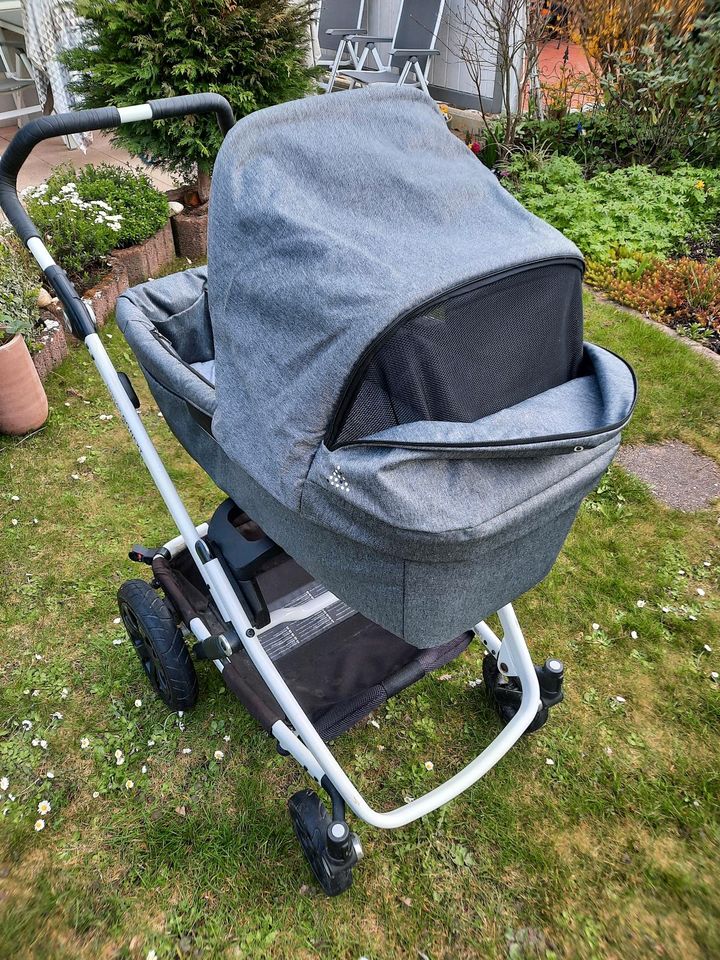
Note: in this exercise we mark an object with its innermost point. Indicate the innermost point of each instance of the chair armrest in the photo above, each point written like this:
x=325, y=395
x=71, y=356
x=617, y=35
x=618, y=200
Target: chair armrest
x=416, y=53
x=363, y=36
x=344, y=32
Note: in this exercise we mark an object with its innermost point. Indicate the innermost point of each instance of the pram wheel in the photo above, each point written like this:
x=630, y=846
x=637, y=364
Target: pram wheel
x=159, y=644
x=311, y=820
x=505, y=694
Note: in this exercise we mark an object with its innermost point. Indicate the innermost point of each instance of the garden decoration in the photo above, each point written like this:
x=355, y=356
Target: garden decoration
x=405, y=421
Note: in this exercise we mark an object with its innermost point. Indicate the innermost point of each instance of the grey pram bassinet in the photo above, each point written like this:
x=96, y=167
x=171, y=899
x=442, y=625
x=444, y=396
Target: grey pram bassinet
x=400, y=394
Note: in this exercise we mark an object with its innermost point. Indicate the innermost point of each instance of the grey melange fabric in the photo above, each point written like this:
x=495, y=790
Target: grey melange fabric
x=330, y=217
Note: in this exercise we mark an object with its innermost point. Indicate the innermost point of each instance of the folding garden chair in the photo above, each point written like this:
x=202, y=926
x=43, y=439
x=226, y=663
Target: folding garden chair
x=18, y=77
x=413, y=44
x=339, y=20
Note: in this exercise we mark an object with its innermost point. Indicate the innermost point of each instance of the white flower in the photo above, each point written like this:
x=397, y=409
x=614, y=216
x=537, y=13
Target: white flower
x=44, y=807
x=187, y=750
x=64, y=693
x=117, y=641
x=692, y=617
x=138, y=703
x=620, y=699
x=143, y=769
x=219, y=755
x=714, y=676
x=681, y=572
x=596, y=626
x=81, y=459
x=706, y=563
x=35, y=693
x=180, y=713
x=226, y=738
x=151, y=955
x=84, y=743
x=57, y=715
x=14, y=521
x=43, y=744
x=95, y=794
x=151, y=743
x=129, y=784
x=39, y=825
x=633, y=634
x=15, y=498
x=35, y=742
x=374, y=723
x=429, y=765
x=4, y=783
x=27, y=725
x=707, y=648
x=700, y=592
x=50, y=775
x=75, y=476
x=608, y=751
x=117, y=620
x=641, y=603
x=549, y=761
x=666, y=609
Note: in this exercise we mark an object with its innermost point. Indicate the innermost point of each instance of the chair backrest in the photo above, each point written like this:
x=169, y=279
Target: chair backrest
x=334, y=15
x=417, y=27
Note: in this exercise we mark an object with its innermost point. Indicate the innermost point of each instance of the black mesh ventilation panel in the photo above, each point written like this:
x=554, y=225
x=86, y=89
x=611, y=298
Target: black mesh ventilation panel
x=478, y=350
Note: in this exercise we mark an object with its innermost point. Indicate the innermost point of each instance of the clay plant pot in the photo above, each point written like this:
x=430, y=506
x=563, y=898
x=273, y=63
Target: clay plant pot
x=23, y=404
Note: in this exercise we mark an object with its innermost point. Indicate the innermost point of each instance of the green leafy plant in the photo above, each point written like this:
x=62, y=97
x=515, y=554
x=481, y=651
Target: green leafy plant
x=252, y=52
x=85, y=214
x=619, y=215
x=19, y=288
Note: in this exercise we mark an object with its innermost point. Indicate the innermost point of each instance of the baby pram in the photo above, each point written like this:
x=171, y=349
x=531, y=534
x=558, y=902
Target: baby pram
x=383, y=368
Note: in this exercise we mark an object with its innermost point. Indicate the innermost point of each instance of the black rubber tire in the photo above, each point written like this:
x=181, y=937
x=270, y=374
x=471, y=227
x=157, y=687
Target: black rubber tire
x=505, y=694
x=159, y=644
x=311, y=820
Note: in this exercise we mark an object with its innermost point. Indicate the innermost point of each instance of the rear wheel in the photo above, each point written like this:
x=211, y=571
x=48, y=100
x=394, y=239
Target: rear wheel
x=159, y=644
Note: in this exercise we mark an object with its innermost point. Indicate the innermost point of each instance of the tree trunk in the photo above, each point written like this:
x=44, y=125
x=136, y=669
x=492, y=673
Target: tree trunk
x=203, y=186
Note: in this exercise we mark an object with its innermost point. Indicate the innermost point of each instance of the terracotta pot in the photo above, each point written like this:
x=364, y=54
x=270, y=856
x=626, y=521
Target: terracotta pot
x=23, y=404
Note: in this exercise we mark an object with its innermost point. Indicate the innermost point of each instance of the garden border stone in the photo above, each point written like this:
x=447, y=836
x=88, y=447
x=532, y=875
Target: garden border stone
x=54, y=349
x=145, y=259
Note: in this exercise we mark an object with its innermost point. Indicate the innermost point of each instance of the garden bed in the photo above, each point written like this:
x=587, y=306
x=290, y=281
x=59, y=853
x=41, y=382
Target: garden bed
x=651, y=240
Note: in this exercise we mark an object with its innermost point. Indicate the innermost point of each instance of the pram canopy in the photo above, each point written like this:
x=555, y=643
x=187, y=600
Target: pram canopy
x=387, y=355
x=364, y=270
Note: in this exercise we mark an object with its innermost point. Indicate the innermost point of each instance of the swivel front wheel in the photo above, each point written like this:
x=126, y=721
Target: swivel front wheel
x=312, y=823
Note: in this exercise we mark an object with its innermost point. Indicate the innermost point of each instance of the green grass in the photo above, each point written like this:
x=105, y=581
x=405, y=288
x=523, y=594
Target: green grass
x=610, y=852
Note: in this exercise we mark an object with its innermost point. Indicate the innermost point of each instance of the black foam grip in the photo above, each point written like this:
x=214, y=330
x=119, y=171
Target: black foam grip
x=195, y=103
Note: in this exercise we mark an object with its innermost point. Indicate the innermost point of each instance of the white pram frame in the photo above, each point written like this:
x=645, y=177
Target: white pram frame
x=299, y=737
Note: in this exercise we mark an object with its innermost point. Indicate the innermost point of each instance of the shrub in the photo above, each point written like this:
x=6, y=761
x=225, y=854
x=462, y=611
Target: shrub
x=252, y=52
x=614, y=216
x=19, y=288
x=85, y=214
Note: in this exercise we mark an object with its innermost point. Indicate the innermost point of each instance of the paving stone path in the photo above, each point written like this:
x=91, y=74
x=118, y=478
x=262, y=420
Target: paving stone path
x=678, y=475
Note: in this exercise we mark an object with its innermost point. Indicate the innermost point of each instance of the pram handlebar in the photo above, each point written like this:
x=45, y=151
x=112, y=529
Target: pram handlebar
x=82, y=121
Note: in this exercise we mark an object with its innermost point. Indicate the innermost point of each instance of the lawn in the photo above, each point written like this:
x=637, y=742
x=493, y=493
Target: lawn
x=596, y=838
